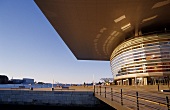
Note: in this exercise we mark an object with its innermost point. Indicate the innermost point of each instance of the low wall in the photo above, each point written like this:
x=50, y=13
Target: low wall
x=58, y=98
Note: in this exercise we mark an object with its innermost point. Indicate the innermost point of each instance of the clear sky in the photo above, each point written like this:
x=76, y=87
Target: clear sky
x=31, y=48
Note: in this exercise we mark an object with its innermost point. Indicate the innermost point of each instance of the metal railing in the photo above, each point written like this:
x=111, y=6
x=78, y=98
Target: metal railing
x=133, y=100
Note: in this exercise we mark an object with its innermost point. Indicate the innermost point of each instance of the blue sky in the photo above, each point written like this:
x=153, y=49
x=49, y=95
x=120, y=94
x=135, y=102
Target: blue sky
x=31, y=48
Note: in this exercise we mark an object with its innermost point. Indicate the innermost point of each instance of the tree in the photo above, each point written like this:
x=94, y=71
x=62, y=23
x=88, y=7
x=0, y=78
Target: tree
x=3, y=79
x=107, y=80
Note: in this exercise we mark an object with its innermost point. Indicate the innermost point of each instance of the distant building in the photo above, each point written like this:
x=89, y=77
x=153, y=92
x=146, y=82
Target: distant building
x=16, y=81
x=28, y=81
x=22, y=81
x=40, y=83
x=3, y=79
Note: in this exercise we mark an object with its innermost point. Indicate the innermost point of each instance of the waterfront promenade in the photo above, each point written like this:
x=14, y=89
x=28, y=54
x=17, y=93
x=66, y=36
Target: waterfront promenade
x=64, y=98
x=147, y=97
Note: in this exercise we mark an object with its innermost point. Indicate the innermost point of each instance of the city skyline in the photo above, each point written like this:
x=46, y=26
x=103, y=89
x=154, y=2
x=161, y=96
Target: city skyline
x=30, y=47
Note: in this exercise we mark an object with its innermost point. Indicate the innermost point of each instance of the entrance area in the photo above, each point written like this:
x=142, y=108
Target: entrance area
x=164, y=80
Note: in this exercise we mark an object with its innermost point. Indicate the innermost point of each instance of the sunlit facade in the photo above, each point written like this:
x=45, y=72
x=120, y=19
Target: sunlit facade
x=142, y=60
x=104, y=30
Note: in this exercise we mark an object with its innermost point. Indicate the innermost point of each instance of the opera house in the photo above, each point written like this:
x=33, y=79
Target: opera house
x=132, y=34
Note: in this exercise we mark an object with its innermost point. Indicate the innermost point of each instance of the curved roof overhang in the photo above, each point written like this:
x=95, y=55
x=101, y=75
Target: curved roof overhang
x=92, y=29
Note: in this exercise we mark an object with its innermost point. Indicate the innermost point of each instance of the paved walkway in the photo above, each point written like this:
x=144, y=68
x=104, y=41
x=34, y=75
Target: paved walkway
x=134, y=97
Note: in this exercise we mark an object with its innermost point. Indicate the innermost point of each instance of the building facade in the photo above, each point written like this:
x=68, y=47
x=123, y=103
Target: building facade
x=115, y=31
x=142, y=60
x=22, y=81
x=28, y=81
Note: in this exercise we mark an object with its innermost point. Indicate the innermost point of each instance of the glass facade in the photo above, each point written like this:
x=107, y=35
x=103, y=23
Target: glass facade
x=142, y=56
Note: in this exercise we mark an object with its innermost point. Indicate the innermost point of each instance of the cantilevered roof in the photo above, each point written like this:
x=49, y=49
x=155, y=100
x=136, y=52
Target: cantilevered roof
x=93, y=28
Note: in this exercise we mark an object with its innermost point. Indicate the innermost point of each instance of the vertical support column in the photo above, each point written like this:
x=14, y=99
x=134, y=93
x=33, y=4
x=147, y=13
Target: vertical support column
x=97, y=89
x=100, y=90
x=105, y=92
x=133, y=82
x=142, y=81
x=167, y=102
x=111, y=94
x=128, y=82
x=94, y=90
x=137, y=101
x=145, y=81
x=121, y=96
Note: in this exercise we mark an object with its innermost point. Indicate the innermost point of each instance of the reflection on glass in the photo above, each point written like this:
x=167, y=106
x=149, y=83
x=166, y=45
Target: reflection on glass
x=149, y=54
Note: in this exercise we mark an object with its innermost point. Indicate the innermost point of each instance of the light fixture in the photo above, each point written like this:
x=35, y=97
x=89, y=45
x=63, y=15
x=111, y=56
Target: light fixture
x=160, y=4
x=120, y=18
x=126, y=26
x=150, y=18
x=113, y=32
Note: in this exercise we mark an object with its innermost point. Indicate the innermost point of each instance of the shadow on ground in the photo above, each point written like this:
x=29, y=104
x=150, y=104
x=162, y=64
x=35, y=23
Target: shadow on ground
x=47, y=107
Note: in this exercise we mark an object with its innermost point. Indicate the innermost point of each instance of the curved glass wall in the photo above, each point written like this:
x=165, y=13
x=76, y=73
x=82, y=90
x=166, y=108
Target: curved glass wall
x=142, y=56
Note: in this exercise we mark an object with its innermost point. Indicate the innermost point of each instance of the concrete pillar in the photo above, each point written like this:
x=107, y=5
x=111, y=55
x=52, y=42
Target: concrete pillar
x=142, y=83
x=133, y=82
x=118, y=82
x=145, y=81
x=128, y=82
